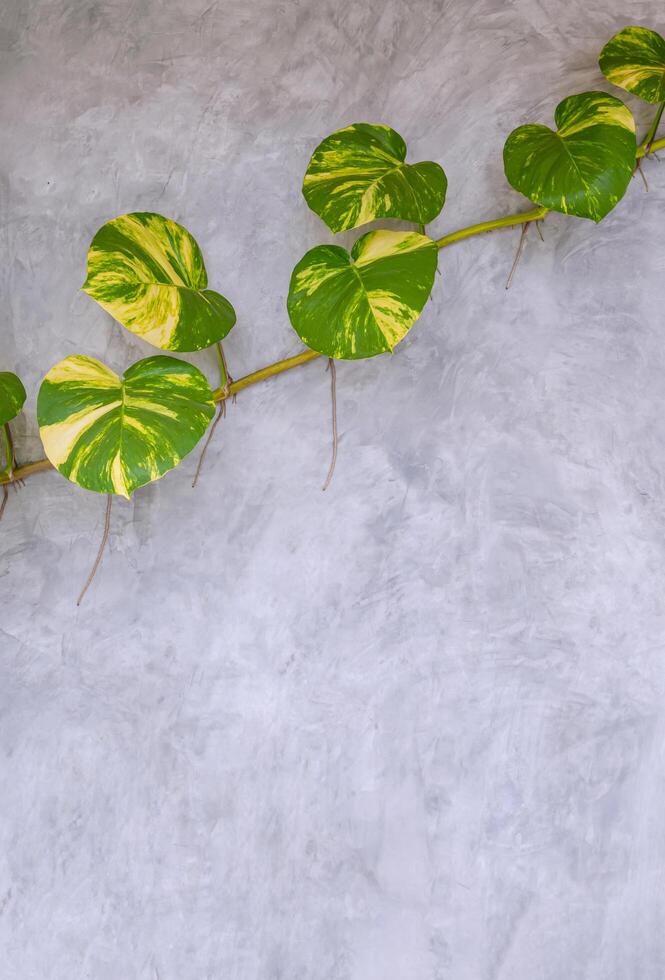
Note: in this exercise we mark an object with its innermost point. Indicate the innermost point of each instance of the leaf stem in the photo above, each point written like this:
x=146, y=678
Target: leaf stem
x=653, y=129
x=223, y=368
x=8, y=446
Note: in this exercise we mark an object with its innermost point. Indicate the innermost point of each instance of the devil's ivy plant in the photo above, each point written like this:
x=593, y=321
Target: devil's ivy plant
x=113, y=435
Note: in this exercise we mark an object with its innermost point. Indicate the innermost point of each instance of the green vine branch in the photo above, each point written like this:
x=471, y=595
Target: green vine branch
x=227, y=390
x=509, y=221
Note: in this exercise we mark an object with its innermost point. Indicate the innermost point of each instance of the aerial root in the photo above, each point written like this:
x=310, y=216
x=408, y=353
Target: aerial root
x=105, y=537
x=518, y=253
x=221, y=412
x=333, y=392
x=640, y=171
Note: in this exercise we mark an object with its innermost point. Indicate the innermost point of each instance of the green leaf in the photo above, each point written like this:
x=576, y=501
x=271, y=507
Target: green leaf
x=585, y=167
x=12, y=396
x=362, y=304
x=634, y=59
x=148, y=273
x=113, y=435
x=358, y=174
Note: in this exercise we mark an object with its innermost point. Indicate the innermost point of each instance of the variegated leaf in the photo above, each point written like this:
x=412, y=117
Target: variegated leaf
x=585, y=166
x=359, y=173
x=634, y=59
x=148, y=273
x=113, y=435
x=12, y=396
x=362, y=304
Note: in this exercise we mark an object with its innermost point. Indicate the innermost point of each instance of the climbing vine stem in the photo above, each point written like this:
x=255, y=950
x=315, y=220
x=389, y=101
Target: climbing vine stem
x=226, y=390
x=509, y=221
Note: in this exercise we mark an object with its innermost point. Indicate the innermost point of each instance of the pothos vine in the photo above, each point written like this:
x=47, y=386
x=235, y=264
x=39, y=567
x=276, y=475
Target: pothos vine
x=113, y=435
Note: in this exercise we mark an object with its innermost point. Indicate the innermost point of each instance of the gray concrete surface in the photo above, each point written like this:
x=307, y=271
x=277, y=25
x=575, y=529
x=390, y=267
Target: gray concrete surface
x=409, y=729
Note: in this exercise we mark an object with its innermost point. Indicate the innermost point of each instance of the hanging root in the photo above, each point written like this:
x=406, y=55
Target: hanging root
x=105, y=537
x=640, y=171
x=333, y=392
x=227, y=381
x=518, y=253
x=221, y=411
x=5, y=498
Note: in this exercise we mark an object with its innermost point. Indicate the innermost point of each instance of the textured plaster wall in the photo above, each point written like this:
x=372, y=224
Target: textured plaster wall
x=409, y=729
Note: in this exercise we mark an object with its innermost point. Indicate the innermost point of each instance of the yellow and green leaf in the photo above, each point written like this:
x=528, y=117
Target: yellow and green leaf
x=148, y=273
x=359, y=174
x=585, y=166
x=356, y=305
x=634, y=59
x=113, y=435
x=12, y=396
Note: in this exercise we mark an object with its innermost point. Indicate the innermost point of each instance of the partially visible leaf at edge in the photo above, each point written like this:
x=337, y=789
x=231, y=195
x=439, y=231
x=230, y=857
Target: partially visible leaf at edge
x=634, y=59
x=12, y=396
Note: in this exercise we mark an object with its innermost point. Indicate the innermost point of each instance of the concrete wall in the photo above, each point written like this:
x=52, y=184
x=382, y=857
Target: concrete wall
x=409, y=729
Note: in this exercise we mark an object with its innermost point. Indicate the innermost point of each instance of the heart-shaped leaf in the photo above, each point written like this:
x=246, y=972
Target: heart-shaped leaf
x=584, y=168
x=148, y=273
x=12, y=396
x=113, y=435
x=634, y=59
x=358, y=174
x=362, y=304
